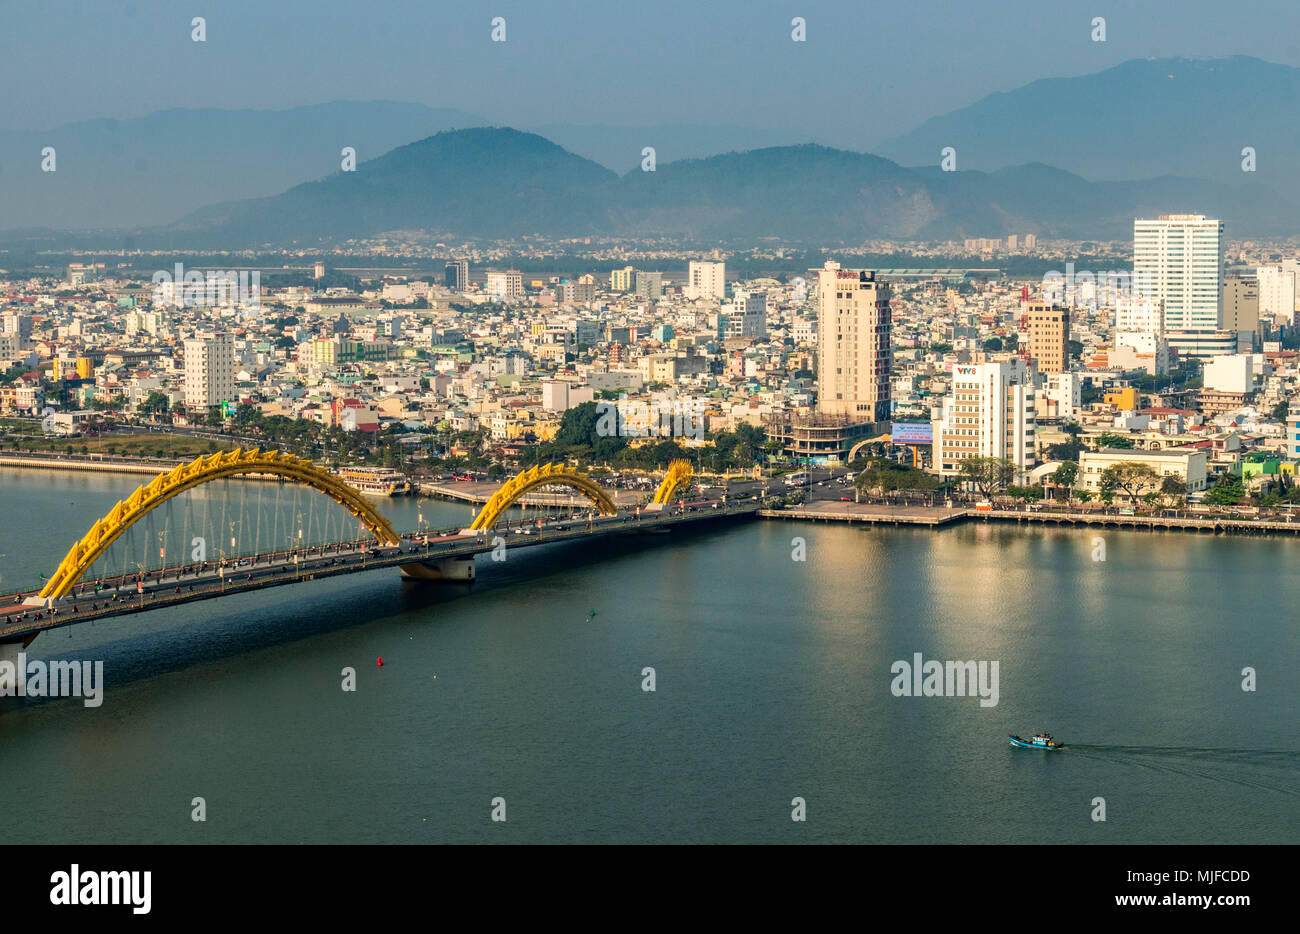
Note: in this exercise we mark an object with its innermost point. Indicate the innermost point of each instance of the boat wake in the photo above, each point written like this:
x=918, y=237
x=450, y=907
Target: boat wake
x=1192, y=762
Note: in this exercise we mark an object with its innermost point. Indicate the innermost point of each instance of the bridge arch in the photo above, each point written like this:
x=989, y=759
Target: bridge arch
x=853, y=451
x=677, y=480
x=536, y=476
x=205, y=469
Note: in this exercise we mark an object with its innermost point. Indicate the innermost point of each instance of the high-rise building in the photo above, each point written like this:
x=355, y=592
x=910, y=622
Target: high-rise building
x=1049, y=337
x=19, y=326
x=853, y=344
x=746, y=316
x=620, y=280
x=568, y=292
x=507, y=286
x=1177, y=260
x=457, y=275
x=1240, y=304
x=649, y=285
x=706, y=280
x=988, y=413
x=318, y=271
x=1061, y=397
x=209, y=371
x=1139, y=314
x=1277, y=292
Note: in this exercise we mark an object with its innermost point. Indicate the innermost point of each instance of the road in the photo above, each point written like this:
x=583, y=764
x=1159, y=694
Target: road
x=135, y=592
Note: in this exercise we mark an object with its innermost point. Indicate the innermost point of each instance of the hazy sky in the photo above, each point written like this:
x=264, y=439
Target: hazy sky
x=868, y=71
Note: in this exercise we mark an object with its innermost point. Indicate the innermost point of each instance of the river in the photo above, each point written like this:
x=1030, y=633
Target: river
x=772, y=681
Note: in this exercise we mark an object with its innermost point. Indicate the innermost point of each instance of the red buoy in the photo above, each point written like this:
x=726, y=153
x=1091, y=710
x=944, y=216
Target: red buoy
x=379, y=663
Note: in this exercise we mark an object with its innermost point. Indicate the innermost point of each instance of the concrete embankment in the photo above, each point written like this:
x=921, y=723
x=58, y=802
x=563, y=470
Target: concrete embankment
x=939, y=517
x=479, y=493
x=106, y=465
x=149, y=467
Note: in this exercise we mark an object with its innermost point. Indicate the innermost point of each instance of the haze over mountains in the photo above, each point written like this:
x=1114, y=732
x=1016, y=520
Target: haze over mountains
x=1070, y=157
x=1141, y=119
x=154, y=169
x=498, y=182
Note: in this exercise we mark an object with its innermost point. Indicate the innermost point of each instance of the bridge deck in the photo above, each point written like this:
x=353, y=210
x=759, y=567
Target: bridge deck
x=174, y=586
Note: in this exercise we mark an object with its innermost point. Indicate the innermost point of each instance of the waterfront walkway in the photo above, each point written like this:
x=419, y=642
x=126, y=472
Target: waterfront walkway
x=870, y=514
x=939, y=517
x=479, y=492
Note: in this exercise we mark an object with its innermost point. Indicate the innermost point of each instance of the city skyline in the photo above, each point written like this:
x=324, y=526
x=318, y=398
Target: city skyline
x=687, y=424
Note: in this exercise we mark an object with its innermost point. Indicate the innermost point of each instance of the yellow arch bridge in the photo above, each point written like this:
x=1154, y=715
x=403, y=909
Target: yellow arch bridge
x=185, y=477
x=539, y=476
x=126, y=513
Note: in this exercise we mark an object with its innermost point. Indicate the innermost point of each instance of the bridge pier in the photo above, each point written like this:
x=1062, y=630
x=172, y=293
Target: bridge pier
x=440, y=569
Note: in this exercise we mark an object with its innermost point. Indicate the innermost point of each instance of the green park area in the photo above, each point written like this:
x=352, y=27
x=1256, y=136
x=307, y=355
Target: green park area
x=136, y=444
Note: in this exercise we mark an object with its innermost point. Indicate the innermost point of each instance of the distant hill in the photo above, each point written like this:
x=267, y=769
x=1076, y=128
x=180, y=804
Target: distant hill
x=483, y=182
x=492, y=183
x=151, y=170
x=619, y=147
x=1142, y=119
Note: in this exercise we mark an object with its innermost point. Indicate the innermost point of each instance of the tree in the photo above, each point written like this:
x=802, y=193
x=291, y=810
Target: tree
x=1076, y=349
x=1066, y=475
x=1174, y=490
x=1281, y=410
x=988, y=474
x=1131, y=477
x=1068, y=451
x=1025, y=493
x=156, y=403
x=1228, y=490
x=1111, y=440
x=885, y=475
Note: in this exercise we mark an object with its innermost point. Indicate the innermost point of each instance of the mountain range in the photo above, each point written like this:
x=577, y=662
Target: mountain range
x=497, y=182
x=1070, y=157
x=1141, y=119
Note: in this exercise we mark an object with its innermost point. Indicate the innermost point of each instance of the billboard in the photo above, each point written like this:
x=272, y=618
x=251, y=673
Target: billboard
x=912, y=433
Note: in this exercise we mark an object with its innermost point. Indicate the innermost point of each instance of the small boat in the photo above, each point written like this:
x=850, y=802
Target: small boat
x=1039, y=741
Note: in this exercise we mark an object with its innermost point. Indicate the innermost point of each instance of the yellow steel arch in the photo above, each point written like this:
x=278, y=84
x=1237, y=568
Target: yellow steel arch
x=853, y=452
x=677, y=480
x=202, y=470
x=541, y=475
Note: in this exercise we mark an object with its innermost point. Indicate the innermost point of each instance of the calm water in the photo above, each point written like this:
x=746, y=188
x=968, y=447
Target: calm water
x=773, y=681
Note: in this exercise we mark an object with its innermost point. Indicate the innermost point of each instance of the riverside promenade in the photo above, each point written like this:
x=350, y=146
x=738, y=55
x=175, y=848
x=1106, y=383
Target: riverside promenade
x=479, y=492
x=97, y=462
x=938, y=517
